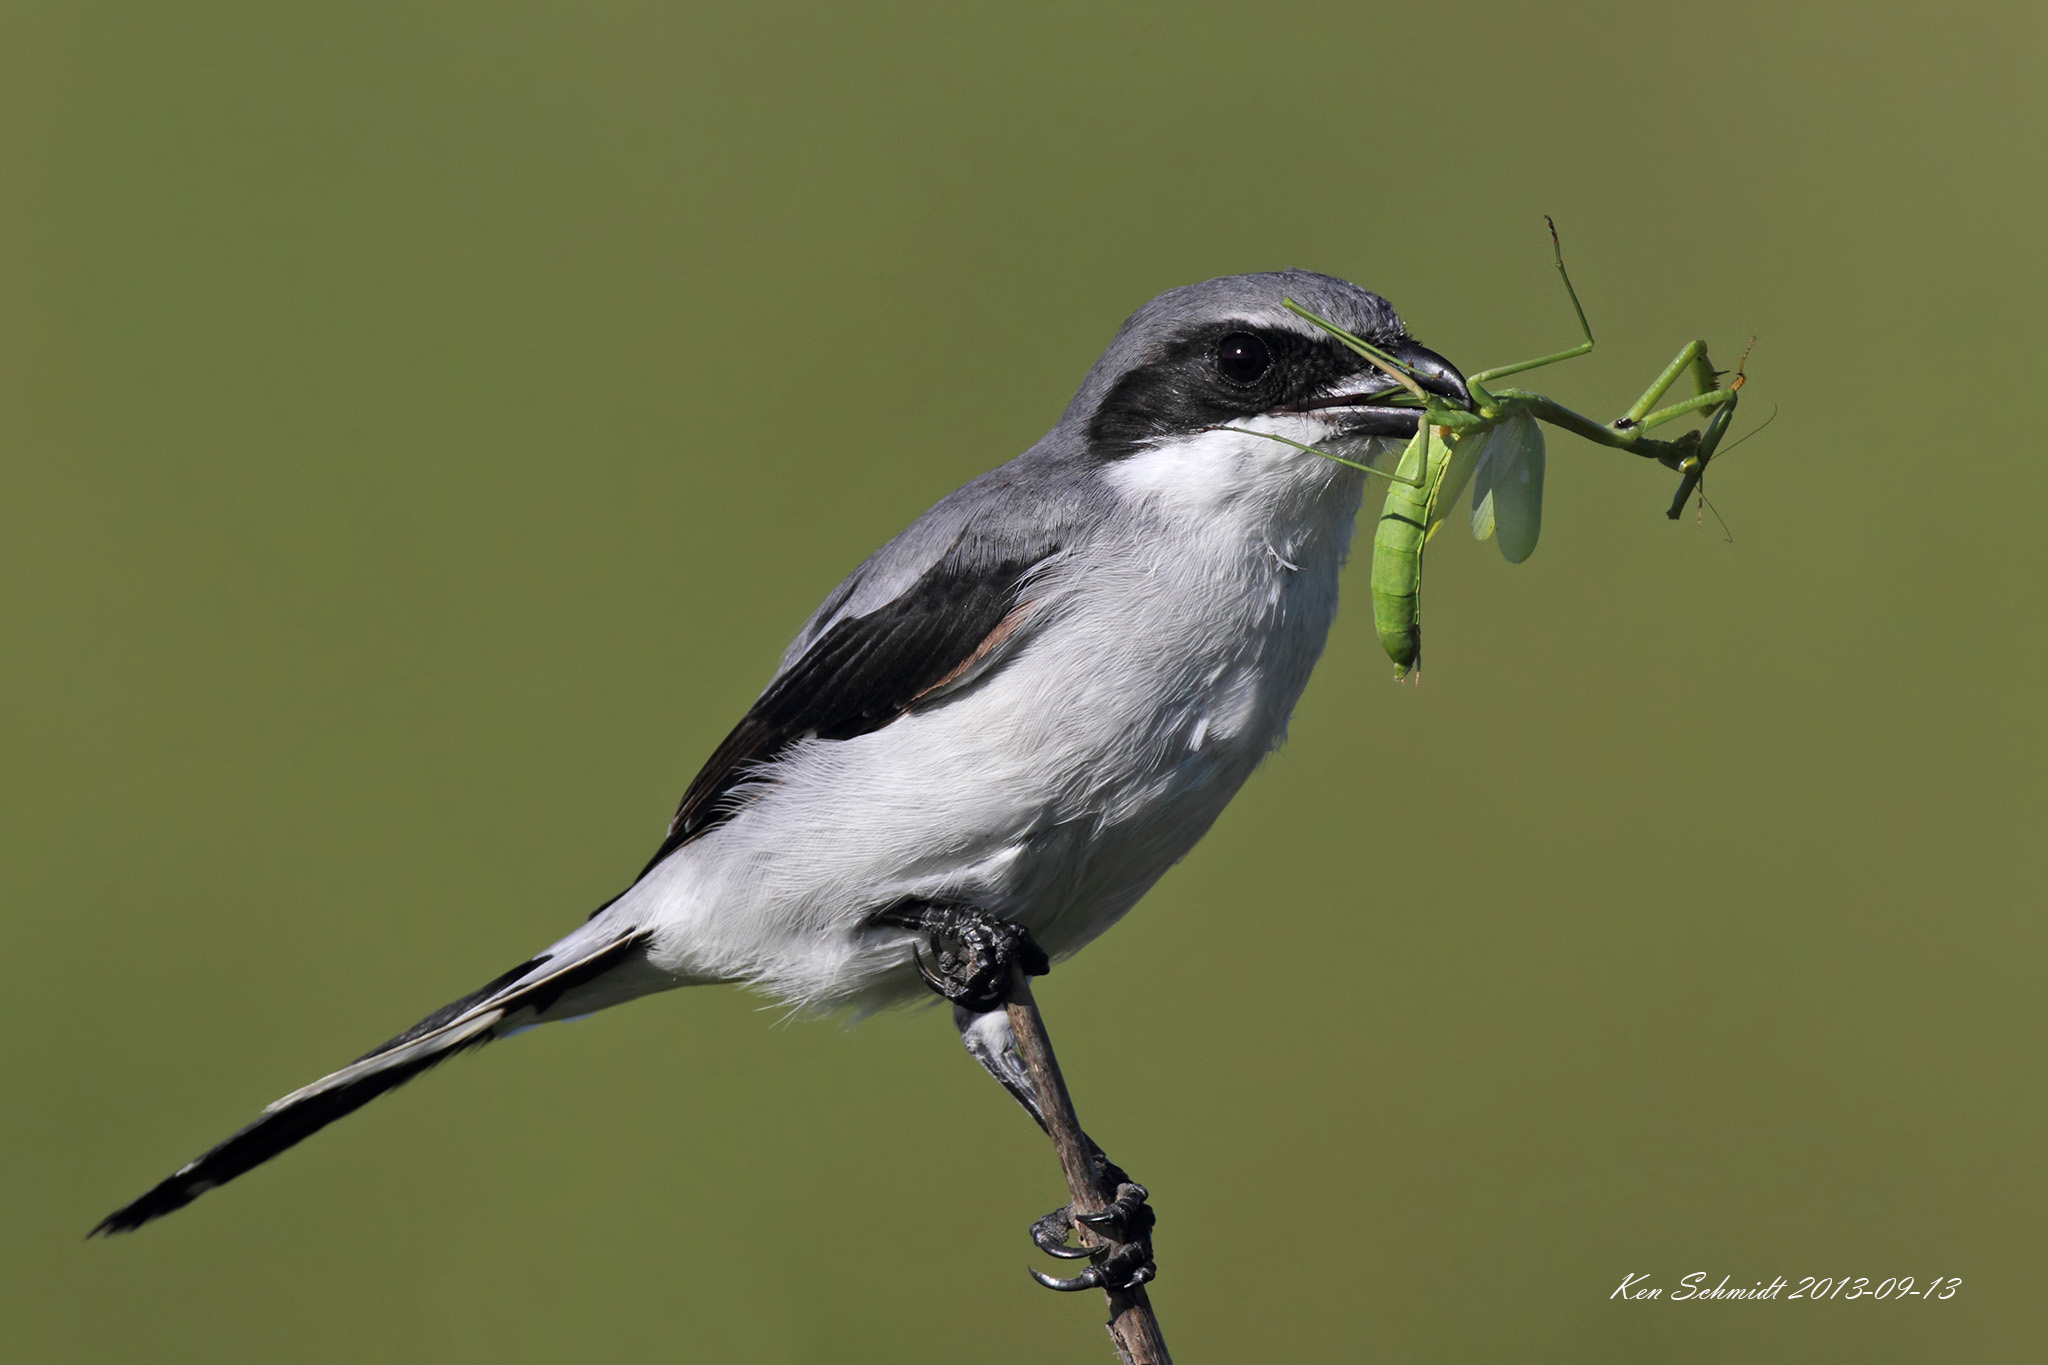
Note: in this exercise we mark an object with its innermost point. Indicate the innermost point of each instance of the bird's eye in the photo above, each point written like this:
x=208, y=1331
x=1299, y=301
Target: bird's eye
x=1242, y=358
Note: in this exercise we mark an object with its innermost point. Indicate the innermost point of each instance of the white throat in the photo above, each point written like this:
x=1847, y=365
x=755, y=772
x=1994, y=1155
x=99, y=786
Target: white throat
x=1236, y=473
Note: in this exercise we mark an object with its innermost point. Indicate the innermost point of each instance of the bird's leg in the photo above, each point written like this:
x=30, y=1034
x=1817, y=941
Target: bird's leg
x=972, y=952
x=1123, y=1229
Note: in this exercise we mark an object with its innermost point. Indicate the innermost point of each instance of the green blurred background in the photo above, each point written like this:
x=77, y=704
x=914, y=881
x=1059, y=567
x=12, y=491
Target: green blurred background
x=426, y=423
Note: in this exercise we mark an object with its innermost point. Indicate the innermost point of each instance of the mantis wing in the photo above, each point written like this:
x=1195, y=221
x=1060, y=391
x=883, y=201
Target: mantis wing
x=1465, y=453
x=1507, y=487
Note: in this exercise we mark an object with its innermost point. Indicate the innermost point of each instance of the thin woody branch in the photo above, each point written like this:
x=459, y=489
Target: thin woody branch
x=1132, y=1325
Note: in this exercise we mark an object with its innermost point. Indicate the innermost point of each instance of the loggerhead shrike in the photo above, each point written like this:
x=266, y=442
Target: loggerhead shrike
x=1001, y=729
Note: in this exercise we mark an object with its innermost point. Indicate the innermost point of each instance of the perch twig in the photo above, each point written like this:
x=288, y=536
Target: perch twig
x=1132, y=1325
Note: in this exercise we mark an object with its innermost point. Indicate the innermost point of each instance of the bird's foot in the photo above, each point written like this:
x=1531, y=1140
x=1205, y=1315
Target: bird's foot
x=1124, y=1259
x=972, y=953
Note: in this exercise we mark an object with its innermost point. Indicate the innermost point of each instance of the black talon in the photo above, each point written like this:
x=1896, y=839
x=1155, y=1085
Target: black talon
x=1130, y=1196
x=1050, y=1235
x=1087, y=1279
x=1128, y=1218
x=1127, y=1266
x=931, y=978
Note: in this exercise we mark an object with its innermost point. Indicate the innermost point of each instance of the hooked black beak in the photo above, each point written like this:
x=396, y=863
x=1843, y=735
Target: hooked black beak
x=1432, y=371
x=1358, y=398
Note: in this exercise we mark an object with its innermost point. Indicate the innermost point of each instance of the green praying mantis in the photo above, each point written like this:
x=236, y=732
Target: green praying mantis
x=1497, y=446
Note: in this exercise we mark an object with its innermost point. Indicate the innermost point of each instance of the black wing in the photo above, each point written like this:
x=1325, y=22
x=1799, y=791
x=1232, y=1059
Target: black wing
x=862, y=672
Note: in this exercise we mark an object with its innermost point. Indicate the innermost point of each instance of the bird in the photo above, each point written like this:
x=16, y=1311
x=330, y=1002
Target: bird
x=1002, y=728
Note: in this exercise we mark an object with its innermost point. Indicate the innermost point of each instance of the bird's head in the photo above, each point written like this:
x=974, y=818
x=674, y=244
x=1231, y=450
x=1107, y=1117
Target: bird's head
x=1229, y=352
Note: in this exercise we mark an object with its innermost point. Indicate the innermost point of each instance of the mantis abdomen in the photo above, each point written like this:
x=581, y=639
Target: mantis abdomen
x=1397, y=546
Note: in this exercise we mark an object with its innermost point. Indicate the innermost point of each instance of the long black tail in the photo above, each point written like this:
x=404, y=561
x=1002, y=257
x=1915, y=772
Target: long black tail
x=526, y=991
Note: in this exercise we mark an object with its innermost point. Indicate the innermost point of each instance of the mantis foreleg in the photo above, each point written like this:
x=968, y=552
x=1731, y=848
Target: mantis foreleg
x=1694, y=467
